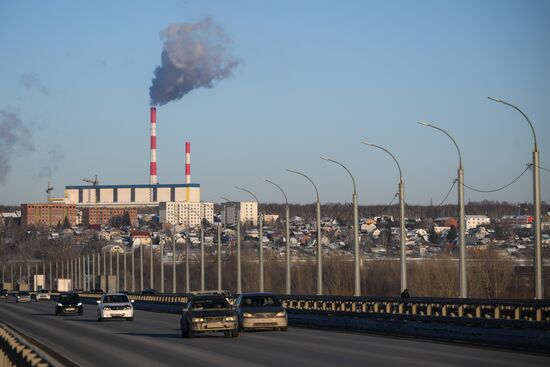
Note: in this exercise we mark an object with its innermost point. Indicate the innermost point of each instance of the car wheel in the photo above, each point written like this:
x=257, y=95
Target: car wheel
x=99, y=318
x=283, y=328
x=235, y=333
x=228, y=334
x=129, y=319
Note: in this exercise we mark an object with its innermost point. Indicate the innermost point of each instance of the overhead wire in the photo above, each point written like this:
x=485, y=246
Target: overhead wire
x=529, y=165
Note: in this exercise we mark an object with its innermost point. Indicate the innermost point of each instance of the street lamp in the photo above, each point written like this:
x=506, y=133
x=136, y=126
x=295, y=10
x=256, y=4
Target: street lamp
x=401, y=187
x=319, y=254
x=260, y=235
x=357, y=264
x=238, y=219
x=202, y=245
x=539, y=291
x=461, y=220
x=288, y=279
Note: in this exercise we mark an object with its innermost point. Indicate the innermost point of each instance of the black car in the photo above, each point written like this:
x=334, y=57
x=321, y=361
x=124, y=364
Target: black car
x=211, y=313
x=3, y=293
x=148, y=291
x=68, y=303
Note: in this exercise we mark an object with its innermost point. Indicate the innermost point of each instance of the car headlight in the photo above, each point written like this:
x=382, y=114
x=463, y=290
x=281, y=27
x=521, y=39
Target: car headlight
x=281, y=314
x=247, y=314
x=106, y=308
x=229, y=318
x=197, y=319
x=60, y=304
x=79, y=304
x=128, y=307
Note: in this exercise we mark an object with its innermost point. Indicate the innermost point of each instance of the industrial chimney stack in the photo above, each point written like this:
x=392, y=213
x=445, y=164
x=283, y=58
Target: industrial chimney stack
x=187, y=168
x=153, y=166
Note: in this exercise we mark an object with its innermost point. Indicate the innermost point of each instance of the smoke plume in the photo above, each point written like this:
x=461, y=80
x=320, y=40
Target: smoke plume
x=194, y=55
x=15, y=138
x=32, y=81
x=53, y=158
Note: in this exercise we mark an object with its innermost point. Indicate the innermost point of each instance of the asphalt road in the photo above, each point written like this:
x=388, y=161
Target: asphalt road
x=153, y=339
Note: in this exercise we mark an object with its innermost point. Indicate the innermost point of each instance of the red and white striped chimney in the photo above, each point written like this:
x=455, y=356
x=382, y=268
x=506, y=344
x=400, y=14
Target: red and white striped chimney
x=187, y=169
x=153, y=166
x=187, y=162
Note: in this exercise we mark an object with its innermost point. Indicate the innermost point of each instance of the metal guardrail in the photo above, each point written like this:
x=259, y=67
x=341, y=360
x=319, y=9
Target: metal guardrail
x=14, y=351
x=529, y=312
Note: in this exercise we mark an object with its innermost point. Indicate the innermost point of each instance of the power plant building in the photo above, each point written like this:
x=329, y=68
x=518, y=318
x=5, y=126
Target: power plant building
x=131, y=195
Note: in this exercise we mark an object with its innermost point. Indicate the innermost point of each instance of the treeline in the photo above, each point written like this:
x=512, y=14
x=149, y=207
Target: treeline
x=344, y=212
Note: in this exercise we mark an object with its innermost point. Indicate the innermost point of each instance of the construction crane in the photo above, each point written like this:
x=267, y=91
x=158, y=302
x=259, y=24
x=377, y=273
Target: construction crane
x=49, y=190
x=94, y=183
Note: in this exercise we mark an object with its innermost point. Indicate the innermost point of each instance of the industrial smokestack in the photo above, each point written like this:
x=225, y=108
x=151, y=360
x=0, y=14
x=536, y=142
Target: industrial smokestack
x=153, y=166
x=187, y=162
x=187, y=168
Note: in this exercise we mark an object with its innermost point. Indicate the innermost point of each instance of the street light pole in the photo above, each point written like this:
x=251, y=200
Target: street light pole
x=539, y=290
x=162, y=266
x=219, y=257
x=287, y=230
x=401, y=218
x=319, y=254
x=461, y=215
x=260, y=235
x=357, y=260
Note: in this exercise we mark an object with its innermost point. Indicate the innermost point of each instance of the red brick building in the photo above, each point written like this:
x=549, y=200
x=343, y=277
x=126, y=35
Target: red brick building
x=103, y=215
x=47, y=214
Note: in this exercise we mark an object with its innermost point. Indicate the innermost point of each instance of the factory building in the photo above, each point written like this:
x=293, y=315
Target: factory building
x=47, y=214
x=188, y=214
x=248, y=212
x=130, y=195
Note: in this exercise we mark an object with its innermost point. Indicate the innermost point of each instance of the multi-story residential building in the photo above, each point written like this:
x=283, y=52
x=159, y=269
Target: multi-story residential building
x=248, y=212
x=103, y=215
x=186, y=213
x=47, y=214
x=473, y=221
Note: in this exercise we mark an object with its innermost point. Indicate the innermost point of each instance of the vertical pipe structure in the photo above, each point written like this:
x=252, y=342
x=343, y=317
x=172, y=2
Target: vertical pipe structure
x=187, y=283
x=173, y=261
x=117, y=272
x=401, y=188
x=461, y=218
x=187, y=169
x=151, y=268
x=133, y=270
x=539, y=289
x=51, y=277
x=162, y=266
x=357, y=260
x=141, y=265
x=287, y=237
x=125, y=283
x=260, y=236
x=153, y=163
x=93, y=272
x=202, y=259
x=219, y=257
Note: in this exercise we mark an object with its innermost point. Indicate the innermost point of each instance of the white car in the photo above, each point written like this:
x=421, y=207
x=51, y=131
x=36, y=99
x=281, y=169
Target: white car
x=115, y=305
x=43, y=294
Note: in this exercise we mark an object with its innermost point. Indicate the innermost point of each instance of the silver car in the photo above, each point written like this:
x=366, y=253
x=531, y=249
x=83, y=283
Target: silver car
x=43, y=295
x=261, y=311
x=23, y=296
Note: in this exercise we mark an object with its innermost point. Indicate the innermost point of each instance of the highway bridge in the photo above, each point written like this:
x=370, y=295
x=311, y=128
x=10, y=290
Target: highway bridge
x=153, y=339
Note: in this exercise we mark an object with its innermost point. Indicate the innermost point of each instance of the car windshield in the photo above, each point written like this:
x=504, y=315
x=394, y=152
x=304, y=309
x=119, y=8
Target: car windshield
x=23, y=293
x=260, y=301
x=115, y=298
x=43, y=291
x=69, y=298
x=210, y=304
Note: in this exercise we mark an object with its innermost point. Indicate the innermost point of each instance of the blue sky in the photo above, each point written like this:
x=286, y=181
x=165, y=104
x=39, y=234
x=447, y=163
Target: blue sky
x=316, y=78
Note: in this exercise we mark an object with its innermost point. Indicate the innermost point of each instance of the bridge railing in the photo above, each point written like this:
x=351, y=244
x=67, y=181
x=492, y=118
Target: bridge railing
x=15, y=351
x=531, y=312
